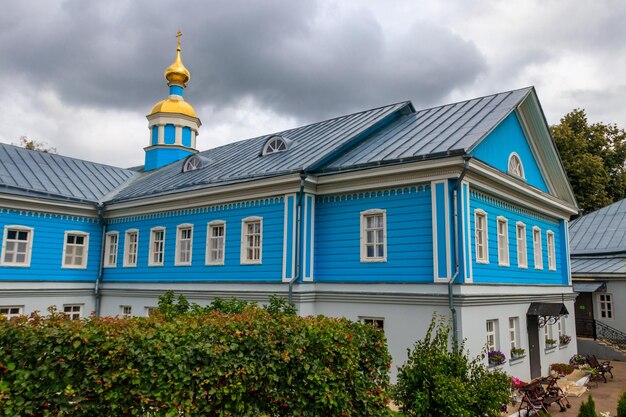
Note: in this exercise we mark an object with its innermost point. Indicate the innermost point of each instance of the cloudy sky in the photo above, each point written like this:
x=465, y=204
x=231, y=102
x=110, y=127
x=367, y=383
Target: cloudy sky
x=82, y=75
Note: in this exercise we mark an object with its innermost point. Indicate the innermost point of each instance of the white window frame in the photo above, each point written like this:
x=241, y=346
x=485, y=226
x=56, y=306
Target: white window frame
x=150, y=310
x=126, y=311
x=522, y=249
x=560, y=325
x=152, y=249
x=521, y=174
x=209, y=242
x=364, y=243
x=269, y=148
x=378, y=322
x=29, y=245
x=10, y=313
x=244, y=241
x=131, y=249
x=606, y=309
x=179, y=229
x=537, y=248
x=85, y=246
x=491, y=329
x=110, y=252
x=551, y=250
x=514, y=335
x=548, y=333
x=75, y=311
x=484, y=234
x=503, y=241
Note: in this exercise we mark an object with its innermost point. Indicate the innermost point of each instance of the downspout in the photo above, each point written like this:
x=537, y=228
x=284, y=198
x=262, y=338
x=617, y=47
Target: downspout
x=296, y=276
x=458, y=247
x=97, y=293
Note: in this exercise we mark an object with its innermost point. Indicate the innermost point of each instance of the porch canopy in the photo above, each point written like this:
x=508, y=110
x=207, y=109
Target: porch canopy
x=589, y=286
x=547, y=313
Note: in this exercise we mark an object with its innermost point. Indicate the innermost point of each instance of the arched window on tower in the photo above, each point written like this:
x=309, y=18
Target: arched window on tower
x=515, y=166
x=275, y=144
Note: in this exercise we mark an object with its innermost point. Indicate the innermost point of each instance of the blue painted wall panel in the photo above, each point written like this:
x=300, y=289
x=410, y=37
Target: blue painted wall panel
x=186, y=137
x=159, y=157
x=155, y=135
x=169, y=134
x=176, y=90
x=290, y=214
x=492, y=272
x=409, y=237
x=271, y=210
x=442, y=259
x=506, y=138
x=47, y=246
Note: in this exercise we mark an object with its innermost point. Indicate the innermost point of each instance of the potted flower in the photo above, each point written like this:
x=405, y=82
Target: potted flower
x=517, y=353
x=578, y=360
x=565, y=339
x=496, y=358
x=550, y=343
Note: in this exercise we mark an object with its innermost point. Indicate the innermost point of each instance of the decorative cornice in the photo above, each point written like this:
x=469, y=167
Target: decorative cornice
x=48, y=205
x=374, y=193
x=200, y=210
x=45, y=215
x=484, y=197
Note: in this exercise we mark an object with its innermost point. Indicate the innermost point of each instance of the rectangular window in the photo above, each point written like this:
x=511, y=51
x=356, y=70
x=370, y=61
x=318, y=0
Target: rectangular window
x=537, y=248
x=73, y=311
x=216, y=236
x=131, y=243
x=492, y=336
x=150, y=311
x=560, y=325
x=548, y=333
x=75, y=250
x=503, y=241
x=606, y=306
x=16, y=246
x=184, y=236
x=127, y=311
x=514, y=332
x=252, y=240
x=157, y=246
x=522, y=253
x=10, y=311
x=377, y=322
x=374, y=236
x=551, y=250
x=480, y=231
x=110, y=249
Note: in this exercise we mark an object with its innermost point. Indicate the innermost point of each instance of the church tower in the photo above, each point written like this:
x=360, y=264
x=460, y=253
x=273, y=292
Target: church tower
x=172, y=122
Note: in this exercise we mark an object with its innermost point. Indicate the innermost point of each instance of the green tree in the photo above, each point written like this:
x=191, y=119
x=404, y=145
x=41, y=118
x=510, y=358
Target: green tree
x=35, y=145
x=587, y=409
x=594, y=157
x=621, y=406
x=438, y=380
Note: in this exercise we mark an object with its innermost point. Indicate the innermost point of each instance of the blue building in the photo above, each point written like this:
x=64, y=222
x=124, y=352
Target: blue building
x=385, y=216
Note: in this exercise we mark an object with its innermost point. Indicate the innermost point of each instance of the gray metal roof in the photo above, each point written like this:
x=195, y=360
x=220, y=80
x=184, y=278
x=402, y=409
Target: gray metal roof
x=310, y=145
x=603, y=231
x=587, y=286
x=34, y=173
x=599, y=265
x=449, y=128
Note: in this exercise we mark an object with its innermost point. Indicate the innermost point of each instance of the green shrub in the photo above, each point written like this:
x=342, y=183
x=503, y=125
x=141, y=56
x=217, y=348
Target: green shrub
x=621, y=406
x=587, y=409
x=439, y=381
x=182, y=362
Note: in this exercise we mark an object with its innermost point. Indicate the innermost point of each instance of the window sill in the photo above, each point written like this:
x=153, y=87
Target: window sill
x=563, y=346
x=550, y=349
x=15, y=265
x=214, y=264
x=368, y=261
x=516, y=360
x=499, y=366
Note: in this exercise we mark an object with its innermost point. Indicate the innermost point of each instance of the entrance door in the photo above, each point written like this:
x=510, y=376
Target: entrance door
x=533, y=346
x=583, y=306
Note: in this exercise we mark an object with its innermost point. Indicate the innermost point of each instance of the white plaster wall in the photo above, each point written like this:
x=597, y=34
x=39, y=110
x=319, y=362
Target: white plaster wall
x=473, y=329
x=618, y=290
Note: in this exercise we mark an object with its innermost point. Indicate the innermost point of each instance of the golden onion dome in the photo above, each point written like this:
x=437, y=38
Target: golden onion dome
x=171, y=105
x=176, y=73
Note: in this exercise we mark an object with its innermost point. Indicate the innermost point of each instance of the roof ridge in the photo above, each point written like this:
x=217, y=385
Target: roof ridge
x=475, y=98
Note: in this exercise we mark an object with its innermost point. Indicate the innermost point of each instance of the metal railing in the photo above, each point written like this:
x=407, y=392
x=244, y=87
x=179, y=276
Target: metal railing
x=598, y=330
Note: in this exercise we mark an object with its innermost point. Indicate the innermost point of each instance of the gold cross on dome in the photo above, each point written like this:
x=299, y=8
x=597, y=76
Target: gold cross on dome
x=178, y=35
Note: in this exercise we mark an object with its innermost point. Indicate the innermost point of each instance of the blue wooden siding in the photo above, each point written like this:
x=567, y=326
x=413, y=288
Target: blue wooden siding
x=441, y=208
x=308, y=235
x=271, y=210
x=509, y=137
x=289, y=237
x=47, y=246
x=492, y=272
x=409, y=236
